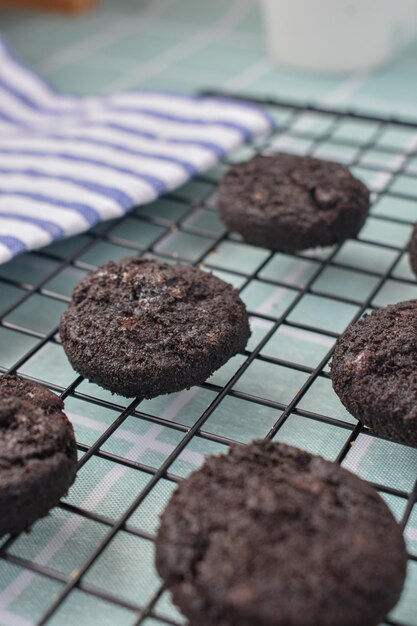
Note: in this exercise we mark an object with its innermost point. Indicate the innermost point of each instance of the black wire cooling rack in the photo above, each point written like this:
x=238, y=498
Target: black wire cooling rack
x=383, y=152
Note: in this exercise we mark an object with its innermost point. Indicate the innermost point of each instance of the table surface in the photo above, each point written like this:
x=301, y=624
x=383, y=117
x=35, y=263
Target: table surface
x=186, y=45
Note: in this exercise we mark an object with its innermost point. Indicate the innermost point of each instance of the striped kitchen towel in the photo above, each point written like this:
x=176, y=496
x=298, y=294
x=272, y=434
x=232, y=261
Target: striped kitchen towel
x=68, y=162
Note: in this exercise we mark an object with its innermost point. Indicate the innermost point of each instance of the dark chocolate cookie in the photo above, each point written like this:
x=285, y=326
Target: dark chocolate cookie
x=38, y=456
x=270, y=535
x=413, y=250
x=285, y=202
x=143, y=328
x=374, y=371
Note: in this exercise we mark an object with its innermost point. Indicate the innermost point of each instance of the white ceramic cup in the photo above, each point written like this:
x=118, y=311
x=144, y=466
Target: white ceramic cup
x=337, y=35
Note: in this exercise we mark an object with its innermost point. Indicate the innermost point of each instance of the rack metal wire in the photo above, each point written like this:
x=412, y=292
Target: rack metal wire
x=382, y=151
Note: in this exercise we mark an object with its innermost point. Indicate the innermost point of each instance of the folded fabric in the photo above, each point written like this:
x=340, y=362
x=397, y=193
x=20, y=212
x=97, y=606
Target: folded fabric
x=68, y=162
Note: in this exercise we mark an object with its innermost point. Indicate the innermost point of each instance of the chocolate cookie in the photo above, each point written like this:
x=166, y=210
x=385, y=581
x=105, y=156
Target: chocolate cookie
x=374, y=371
x=270, y=535
x=285, y=202
x=38, y=456
x=413, y=250
x=143, y=328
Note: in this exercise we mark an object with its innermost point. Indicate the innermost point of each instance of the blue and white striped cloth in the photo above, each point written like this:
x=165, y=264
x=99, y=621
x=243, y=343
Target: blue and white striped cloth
x=67, y=162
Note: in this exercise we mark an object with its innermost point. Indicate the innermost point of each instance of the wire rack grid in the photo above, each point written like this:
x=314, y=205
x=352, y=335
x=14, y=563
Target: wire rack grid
x=91, y=559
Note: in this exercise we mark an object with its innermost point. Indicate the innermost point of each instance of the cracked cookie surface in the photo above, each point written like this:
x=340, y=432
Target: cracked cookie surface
x=141, y=327
x=286, y=203
x=37, y=453
x=269, y=535
x=374, y=371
